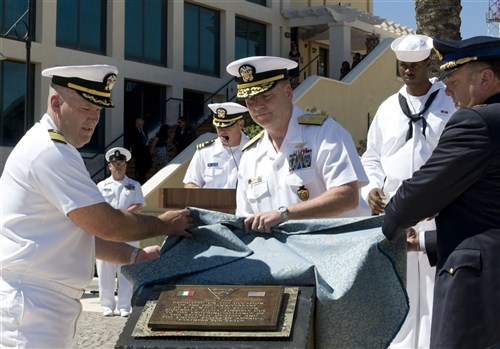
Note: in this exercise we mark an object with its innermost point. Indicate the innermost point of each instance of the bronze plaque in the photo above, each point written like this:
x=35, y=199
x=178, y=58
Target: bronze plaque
x=218, y=308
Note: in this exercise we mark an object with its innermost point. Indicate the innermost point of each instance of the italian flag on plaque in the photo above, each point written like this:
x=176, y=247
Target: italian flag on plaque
x=185, y=293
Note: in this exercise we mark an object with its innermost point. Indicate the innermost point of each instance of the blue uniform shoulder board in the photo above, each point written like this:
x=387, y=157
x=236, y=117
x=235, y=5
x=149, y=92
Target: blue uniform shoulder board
x=57, y=136
x=253, y=141
x=205, y=144
x=312, y=119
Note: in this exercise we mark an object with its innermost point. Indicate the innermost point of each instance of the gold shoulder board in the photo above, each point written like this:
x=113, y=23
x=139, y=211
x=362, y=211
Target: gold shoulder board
x=204, y=144
x=253, y=141
x=312, y=119
x=57, y=136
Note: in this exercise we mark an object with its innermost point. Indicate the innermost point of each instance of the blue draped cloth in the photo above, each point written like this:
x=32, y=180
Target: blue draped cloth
x=361, y=301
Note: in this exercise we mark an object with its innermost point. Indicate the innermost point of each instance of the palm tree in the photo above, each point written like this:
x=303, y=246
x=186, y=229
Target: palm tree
x=439, y=18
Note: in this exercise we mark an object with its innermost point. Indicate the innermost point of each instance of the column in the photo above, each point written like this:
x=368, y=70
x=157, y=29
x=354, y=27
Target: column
x=340, y=47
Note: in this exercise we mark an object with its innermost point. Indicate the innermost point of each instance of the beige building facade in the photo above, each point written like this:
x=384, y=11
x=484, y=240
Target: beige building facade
x=191, y=45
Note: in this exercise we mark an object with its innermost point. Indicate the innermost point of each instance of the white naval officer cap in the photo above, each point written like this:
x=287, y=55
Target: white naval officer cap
x=91, y=82
x=226, y=114
x=259, y=74
x=412, y=48
x=118, y=153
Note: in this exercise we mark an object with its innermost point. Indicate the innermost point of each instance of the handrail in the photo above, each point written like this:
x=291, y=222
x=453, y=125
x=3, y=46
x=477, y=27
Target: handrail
x=307, y=65
x=162, y=105
x=220, y=89
x=227, y=99
x=106, y=146
x=98, y=153
x=298, y=74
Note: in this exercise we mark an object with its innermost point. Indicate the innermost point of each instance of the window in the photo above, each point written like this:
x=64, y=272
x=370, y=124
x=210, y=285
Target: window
x=10, y=12
x=323, y=62
x=143, y=100
x=12, y=99
x=193, y=106
x=258, y=2
x=146, y=31
x=81, y=25
x=250, y=39
x=201, y=40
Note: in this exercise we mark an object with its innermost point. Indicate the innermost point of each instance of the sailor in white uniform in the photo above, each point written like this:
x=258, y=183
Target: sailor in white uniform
x=215, y=162
x=401, y=138
x=123, y=193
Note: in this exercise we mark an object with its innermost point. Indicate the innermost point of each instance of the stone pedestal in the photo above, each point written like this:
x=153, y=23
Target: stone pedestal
x=301, y=334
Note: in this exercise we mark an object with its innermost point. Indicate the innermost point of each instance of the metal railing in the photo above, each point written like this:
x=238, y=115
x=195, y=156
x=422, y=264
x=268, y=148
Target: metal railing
x=154, y=123
x=92, y=157
x=162, y=106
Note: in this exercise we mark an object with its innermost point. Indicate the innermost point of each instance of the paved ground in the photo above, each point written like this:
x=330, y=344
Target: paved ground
x=96, y=331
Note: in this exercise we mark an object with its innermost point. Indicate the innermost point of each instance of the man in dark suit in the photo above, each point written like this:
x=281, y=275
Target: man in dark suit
x=460, y=185
x=140, y=150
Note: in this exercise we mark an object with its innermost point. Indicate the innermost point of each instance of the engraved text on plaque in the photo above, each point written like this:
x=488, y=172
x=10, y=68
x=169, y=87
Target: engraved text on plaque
x=218, y=307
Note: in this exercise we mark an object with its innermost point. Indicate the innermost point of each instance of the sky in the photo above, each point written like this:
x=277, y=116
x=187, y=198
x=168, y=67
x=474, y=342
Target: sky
x=473, y=15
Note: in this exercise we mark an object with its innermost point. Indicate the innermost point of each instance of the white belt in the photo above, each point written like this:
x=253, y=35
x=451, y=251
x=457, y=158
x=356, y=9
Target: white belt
x=9, y=276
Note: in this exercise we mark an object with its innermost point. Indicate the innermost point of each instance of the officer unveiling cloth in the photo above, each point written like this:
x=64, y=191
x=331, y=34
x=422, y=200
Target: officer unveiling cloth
x=313, y=158
x=361, y=301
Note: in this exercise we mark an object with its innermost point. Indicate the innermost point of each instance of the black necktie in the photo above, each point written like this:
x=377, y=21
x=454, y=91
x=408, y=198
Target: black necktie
x=415, y=117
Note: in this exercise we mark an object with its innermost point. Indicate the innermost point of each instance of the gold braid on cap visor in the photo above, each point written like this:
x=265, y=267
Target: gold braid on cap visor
x=457, y=62
x=94, y=100
x=226, y=121
x=88, y=90
x=252, y=91
x=261, y=82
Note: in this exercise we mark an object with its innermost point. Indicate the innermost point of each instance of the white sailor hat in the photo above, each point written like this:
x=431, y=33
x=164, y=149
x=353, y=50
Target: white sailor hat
x=412, y=48
x=118, y=153
x=259, y=74
x=226, y=114
x=92, y=82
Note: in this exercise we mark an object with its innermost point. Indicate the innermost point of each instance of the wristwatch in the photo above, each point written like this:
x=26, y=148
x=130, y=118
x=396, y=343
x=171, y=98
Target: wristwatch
x=283, y=211
x=134, y=254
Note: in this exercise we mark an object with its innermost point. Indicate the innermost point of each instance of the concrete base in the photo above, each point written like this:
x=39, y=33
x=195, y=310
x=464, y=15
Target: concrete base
x=302, y=331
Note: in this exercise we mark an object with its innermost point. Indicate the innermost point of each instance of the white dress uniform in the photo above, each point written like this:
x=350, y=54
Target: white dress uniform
x=390, y=159
x=312, y=159
x=121, y=195
x=45, y=260
x=214, y=165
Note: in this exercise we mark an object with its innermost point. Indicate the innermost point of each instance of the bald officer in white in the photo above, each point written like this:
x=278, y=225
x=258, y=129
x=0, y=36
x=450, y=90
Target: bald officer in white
x=401, y=138
x=215, y=163
x=123, y=193
x=54, y=220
